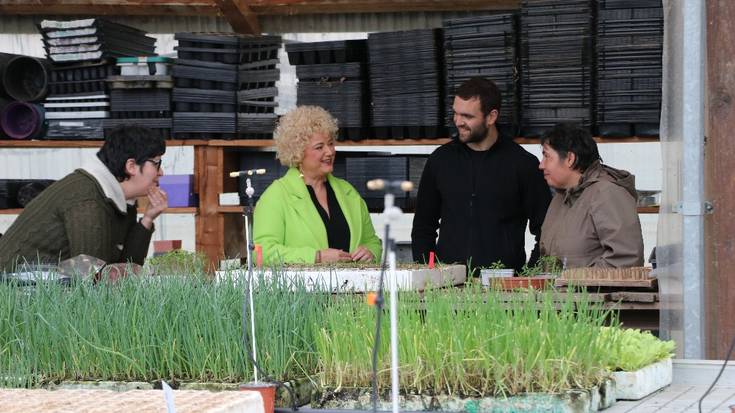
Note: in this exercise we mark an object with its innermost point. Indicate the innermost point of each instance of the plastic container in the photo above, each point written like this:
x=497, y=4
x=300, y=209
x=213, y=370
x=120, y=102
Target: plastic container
x=144, y=66
x=26, y=78
x=180, y=190
x=20, y=120
x=486, y=274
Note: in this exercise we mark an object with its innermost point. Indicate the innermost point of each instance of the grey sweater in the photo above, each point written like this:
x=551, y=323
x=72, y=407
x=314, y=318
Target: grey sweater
x=71, y=217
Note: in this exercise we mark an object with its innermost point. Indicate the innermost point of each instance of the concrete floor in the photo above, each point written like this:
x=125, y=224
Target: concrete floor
x=680, y=398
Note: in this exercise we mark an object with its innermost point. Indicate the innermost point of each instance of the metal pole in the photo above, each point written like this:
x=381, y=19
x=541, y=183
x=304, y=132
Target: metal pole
x=250, y=247
x=693, y=202
x=390, y=214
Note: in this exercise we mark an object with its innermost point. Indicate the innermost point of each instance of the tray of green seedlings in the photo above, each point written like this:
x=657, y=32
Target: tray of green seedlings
x=178, y=329
x=357, y=277
x=463, y=343
x=466, y=343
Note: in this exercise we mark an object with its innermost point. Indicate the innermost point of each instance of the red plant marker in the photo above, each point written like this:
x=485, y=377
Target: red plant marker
x=258, y=255
x=431, y=260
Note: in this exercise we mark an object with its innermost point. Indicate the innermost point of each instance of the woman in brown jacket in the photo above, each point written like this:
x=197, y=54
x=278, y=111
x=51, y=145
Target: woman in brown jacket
x=592, y=220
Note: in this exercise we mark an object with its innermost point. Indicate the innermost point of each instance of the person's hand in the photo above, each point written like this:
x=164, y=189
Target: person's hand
x=362, y=254
x=157, y=202
x=333, y=255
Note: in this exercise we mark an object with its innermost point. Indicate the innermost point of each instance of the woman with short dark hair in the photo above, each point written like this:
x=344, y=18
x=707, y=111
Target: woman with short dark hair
x=92, y=210
x=592, y=220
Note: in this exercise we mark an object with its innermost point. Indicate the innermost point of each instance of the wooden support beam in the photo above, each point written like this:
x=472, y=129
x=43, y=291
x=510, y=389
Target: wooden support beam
x=296, y=7
x=239, y=15
x=719, y=179
x=109, y=8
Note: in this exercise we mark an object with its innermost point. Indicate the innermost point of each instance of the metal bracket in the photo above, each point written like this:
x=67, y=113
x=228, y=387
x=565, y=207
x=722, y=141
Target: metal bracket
x=693, y=208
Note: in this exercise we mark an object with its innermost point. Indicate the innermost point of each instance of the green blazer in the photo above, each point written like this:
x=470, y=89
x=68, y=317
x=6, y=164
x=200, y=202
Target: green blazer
x=288, y=227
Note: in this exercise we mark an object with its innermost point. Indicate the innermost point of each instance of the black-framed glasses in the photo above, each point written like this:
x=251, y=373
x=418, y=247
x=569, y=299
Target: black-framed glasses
x=157, y=163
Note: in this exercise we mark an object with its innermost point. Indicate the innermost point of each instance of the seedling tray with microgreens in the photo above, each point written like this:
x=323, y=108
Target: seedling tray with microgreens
x=459, y=348
x=359, y=277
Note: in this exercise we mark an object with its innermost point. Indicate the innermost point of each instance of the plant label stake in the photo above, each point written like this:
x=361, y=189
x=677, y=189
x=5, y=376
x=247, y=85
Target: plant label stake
x=168, y=396
x=391, y=214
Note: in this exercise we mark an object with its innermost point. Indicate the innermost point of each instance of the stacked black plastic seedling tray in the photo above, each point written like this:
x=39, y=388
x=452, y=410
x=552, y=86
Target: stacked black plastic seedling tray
x=333, y=75
x=258, y=74
x=83, y=54
x=225, y=85
x=93, y=40
x=416, y=164
x=484, y=46
x=629, y=71
x=141, y=95
x=407, y=84
x=556, y=64
x=76, y=117
x=78, y=82
x=360, y=170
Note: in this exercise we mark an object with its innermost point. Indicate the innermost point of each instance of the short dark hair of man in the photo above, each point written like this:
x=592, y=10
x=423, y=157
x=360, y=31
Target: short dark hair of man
x=126, y=142
x=484, y=89
x=568, y=137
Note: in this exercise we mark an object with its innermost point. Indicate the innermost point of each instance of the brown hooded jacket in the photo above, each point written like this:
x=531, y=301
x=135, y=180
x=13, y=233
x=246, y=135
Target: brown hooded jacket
x=595, y=224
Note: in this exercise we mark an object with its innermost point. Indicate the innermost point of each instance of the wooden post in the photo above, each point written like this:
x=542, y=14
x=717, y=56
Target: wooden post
x=720, y=178
x=209, y=222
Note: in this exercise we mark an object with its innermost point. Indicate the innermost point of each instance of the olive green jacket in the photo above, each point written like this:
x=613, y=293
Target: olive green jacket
x=83, y=213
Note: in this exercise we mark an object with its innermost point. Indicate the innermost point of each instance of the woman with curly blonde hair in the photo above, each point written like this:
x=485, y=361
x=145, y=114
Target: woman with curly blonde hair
x=309, y=215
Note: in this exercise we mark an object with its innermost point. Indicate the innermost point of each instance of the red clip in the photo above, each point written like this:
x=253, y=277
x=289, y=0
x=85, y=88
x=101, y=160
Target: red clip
x=431, y=260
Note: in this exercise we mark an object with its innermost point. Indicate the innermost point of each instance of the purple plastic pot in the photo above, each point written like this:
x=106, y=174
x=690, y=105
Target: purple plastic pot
x=20, y=120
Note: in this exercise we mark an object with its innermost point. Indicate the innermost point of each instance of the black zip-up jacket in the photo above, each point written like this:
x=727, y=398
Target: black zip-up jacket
x=481, y=216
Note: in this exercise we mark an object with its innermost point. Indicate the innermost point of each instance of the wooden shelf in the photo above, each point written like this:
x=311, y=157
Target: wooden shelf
x=84, y=143
x=179, y=210
x=242, y=143
x=230, y=209
x=599, y=139
x=268, y=143
x=186, y=210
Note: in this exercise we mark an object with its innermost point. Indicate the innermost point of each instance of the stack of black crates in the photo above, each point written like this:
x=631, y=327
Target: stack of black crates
x=484, y=46
x=361, y=169
x=83, y=53
x=141, y=95
x=629, y=49
x=225, y=86
x=407, y=84
x=333, y=75
x=556, y=64
x=17, y=193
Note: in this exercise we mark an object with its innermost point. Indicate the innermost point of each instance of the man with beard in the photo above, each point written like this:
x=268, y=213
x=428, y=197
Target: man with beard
x=480, y=190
